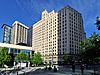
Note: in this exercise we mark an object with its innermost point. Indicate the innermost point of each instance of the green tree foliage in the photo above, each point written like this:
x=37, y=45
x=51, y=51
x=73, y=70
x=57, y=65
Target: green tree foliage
x=4, y=56
x=22, y=56
x=67, y=59
x=90, y=48
x=36, y=59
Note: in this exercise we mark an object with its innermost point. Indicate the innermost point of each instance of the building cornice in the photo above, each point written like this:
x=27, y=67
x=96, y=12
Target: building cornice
x=20, y=24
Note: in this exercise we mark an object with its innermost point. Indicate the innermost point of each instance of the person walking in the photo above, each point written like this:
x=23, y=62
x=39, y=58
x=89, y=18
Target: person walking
x=73, y=67
x=82, y=68
x=55, y=69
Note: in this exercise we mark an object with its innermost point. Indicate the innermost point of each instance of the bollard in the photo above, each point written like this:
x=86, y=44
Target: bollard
x=17, y=72
x=24, y=73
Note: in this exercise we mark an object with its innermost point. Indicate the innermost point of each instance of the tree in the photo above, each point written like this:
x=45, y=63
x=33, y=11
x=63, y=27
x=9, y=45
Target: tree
x=67, y=59
x=36, y=59
x=4, y=56
x=90, y=48
x=22, y=56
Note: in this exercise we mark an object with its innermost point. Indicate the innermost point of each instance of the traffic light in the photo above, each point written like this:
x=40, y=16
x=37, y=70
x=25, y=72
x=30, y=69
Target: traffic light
x=98, y=22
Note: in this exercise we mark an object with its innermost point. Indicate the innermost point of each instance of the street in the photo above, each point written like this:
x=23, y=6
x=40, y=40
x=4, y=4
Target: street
x=62, y=70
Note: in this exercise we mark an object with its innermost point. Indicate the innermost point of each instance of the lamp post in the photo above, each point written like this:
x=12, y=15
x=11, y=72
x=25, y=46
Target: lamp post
x=52, y=58
x=14, y=64
x=51, y=55
x=98, y=22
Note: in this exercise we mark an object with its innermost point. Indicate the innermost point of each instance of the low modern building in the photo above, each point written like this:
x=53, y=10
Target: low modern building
x=13, y=50
x=18, y=48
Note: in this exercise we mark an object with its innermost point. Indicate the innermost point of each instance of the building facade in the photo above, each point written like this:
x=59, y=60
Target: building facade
x=13, y=50
x=16, y=35
x=70, y=31
x=19, y=33
x=57, y=34
x=44, y=38
x=6, y=33
x=29, y=36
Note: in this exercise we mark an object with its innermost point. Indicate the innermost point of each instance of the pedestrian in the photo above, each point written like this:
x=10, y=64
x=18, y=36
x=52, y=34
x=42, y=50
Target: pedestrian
x=82, y=68
x=49, y=68
x=55, y=69
x=45, y=68
x=73, y=67
x=86, y=66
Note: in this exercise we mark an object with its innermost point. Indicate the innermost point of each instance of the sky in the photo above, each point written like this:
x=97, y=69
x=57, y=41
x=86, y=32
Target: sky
x=29, y=12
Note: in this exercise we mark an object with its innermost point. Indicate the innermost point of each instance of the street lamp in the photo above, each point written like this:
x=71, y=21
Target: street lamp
x=98, y=22
x=51, y=55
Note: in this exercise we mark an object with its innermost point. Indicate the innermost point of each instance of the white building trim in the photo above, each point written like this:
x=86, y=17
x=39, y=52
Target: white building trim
x=15, y=46
x=20, y=24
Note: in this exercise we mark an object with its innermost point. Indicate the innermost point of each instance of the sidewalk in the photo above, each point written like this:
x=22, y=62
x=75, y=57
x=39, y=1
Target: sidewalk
x=59, y=72
x=77, y=72
x=2, y=69
x=41, y=71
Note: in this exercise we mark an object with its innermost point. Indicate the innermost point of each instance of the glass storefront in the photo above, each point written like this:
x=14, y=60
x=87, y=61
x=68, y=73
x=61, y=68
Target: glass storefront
x=17, y=51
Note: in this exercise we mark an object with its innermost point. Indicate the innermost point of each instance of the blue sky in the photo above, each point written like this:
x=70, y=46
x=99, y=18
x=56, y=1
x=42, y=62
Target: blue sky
x=29, y=11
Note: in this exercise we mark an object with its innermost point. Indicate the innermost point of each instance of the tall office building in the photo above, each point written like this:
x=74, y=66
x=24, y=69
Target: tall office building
x=6, y=33
x=19, y=33
x=44, y=38
x=70, y=31
x=57, y=34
